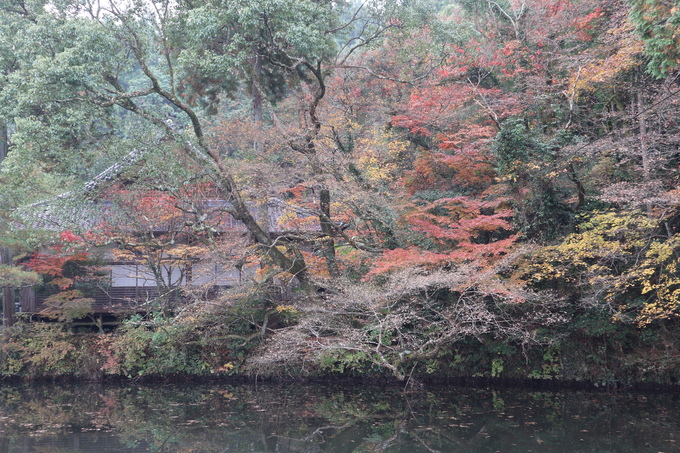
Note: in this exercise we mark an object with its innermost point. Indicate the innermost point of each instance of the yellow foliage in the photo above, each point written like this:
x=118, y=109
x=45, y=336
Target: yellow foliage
x=619, y=257
x=605, y=71
x=659, y=277
x=375, y=170
x=227, y=367
x=604, y=240
x=379, y=157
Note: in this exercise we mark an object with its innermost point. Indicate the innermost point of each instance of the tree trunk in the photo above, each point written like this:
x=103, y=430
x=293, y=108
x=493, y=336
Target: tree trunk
x=257, y=103
x=644, y=139
x=6, y=258
x=4, y=142
x=294, y=264
x=644, y=143
x=579, y=187
x=255, y=88
x=327, y=243
x=7, y=293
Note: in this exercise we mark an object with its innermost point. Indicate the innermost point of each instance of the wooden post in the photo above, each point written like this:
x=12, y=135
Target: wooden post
x=28, y=299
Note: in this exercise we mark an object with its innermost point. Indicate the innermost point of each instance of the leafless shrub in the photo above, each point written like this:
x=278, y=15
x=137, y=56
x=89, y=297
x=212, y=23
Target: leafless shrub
x=411, y=318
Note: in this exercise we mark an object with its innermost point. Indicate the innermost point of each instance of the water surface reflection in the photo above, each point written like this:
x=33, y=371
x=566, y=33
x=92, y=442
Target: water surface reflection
x=336, y=419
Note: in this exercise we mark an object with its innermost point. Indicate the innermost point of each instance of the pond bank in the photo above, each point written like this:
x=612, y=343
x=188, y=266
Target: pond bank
x=41, y=352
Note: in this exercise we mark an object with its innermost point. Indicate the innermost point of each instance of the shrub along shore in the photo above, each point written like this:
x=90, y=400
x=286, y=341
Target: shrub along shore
x=605, y=358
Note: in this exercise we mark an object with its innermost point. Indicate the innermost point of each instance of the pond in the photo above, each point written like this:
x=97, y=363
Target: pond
x=331, y=418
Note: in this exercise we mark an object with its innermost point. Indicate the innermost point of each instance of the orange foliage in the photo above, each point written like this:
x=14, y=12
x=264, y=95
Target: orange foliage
x=52, y=264
x=448, y=171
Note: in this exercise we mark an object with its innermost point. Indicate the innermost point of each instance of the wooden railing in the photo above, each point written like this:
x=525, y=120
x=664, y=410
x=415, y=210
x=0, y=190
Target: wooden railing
x=117, y=300
x=128, y=299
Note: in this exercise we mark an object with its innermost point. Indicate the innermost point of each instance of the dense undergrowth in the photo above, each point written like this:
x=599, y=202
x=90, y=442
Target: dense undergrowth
x=589, y=350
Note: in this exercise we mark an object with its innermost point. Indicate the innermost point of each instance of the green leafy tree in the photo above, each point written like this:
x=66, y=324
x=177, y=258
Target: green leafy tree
x=657, y=22
x=96, y=70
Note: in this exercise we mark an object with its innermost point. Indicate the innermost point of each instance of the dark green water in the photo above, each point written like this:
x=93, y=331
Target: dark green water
x=193, y=418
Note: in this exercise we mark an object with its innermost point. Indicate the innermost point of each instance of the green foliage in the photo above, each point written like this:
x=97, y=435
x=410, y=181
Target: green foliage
x=657, y=22
x=143, y=347
x=68, y=306
x=344, y=362
x=45, y=350
x=516, y=146
x=497, y=367
x=162, y=349
x=528, y=163
x=551, y=368
x=11, y=276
